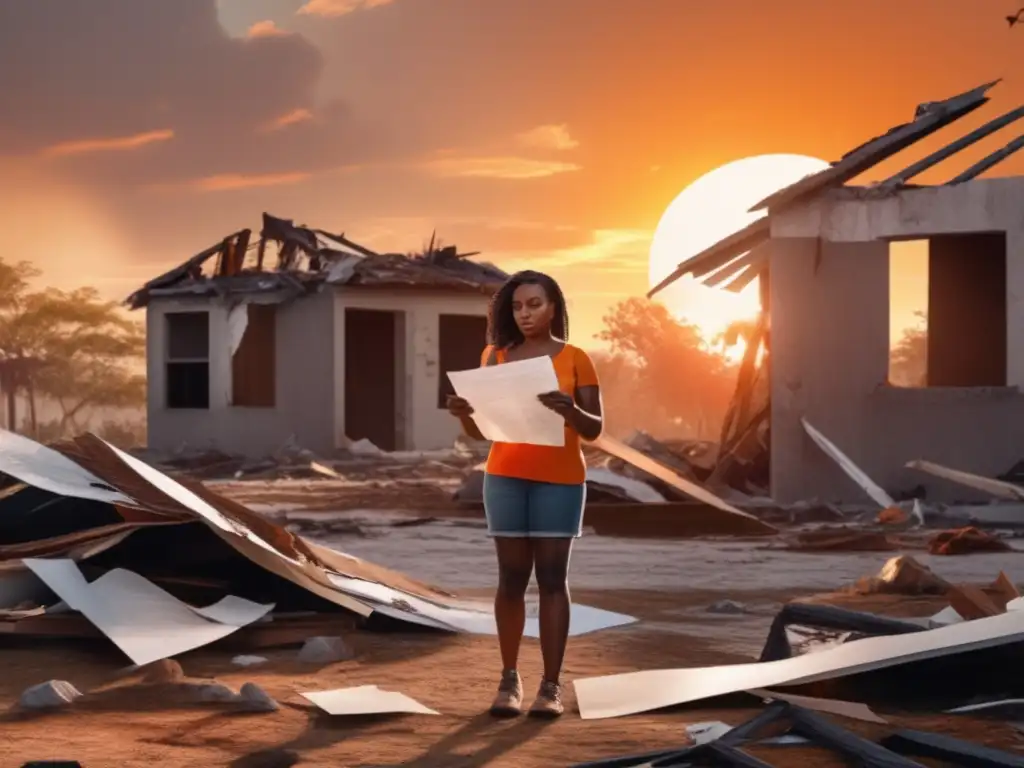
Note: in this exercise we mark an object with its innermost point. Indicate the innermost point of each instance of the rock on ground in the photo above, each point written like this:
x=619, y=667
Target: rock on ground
x=49, y=695
x=255, y=699
x=325, y=650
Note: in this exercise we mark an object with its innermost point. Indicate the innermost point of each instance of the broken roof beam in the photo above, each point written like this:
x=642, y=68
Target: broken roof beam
x=922, y=165
x=755, y=257
x=719, y=254
x=180, y=272
x=930, y=117
x=346, y=242
x=746, y=277
x=987, y=162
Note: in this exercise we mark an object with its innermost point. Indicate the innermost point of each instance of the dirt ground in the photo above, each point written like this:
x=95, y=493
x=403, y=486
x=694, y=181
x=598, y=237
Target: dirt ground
x=122, y=722
x=668, y=585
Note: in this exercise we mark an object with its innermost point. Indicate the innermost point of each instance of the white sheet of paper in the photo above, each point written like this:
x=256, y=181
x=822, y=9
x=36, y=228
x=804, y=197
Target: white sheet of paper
x=505, y=404
x=41, y=467
x=471, y=617
x=633, y=692
x=141, y=619
x=366, y=700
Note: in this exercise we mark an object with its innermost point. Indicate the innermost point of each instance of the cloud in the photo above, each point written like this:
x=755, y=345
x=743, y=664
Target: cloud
x=548, y=137
x=507, y=167
x=266, y=28
x=335, y=8
x=475, y=233
x=167, y=65
x=231, y=181
x=609, y=250
x=115, y=144
x=294, y=117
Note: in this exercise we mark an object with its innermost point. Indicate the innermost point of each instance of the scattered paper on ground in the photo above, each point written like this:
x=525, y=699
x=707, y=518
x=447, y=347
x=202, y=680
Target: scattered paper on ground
x=366, y=700
x=633, y=692
x=505, y=404
x=472, y=617
x=141, y=619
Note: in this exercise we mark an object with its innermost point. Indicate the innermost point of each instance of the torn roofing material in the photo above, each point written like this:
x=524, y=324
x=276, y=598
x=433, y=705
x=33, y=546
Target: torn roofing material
x=633, y=692
x=928, y=118
x=86, y=500
x=309, y=258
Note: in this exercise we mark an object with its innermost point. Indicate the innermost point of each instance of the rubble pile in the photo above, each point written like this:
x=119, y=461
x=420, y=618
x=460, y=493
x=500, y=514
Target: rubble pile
x=95, y=541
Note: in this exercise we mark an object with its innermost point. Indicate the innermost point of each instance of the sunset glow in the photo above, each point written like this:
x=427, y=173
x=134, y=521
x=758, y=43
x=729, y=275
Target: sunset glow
x=708, y=210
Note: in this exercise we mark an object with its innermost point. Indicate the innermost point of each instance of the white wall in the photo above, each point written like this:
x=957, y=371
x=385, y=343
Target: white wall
x=304, y=387
x=983, y=205
x=830, y=346
x=311, y=372
x=426, y=427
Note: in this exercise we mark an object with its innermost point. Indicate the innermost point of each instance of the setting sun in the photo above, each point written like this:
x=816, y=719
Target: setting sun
x=708, y=210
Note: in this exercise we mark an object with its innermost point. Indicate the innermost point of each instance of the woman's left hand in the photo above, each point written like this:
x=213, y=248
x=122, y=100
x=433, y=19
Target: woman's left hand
x=559, y=402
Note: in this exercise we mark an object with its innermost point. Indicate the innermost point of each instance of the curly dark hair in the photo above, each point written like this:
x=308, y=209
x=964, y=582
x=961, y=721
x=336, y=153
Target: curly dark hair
x=502, y=330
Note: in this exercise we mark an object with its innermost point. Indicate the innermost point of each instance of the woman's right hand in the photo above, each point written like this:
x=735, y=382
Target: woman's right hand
x=459, y=407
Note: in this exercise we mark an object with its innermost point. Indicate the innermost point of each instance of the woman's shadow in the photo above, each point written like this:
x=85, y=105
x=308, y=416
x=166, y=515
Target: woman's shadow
x=501, y=736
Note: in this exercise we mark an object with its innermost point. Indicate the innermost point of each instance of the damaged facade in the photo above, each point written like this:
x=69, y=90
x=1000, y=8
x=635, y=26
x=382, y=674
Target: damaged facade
x=822, y=255
x=334, y=343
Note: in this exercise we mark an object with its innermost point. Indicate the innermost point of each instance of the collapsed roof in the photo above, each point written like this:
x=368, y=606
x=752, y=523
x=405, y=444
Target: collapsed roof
x=736, y=260
x=309, y=258
x=92, y=535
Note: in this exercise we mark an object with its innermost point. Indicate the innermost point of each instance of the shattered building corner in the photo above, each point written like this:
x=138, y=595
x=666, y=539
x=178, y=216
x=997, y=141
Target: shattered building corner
x=820, y=350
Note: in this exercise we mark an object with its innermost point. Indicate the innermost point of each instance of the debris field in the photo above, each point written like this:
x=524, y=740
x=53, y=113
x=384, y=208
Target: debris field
x=150, y=615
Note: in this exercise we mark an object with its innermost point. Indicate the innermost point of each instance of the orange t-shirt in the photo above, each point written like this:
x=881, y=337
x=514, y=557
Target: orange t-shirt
x=546, y=463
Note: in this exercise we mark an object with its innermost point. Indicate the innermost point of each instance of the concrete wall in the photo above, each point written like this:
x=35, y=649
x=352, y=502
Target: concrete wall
x=304, y=361
x=830, y=343
x=310, y=365
x=423, y=425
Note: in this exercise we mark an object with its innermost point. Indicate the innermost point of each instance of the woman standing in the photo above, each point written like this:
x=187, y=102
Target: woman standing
x=534, y=495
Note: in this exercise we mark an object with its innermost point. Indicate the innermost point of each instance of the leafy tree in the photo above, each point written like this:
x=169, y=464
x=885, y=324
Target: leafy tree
x=684, y=381
x=69, y=346
x=908, y=359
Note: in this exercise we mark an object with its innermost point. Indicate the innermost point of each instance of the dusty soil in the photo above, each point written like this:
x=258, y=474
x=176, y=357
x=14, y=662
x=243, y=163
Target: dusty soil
x=121, y=722
x=667, y=584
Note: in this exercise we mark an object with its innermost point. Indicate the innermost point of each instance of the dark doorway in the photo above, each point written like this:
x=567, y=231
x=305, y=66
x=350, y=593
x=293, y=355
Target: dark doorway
x=967, y=310
x=371, y=371
x=461, y=341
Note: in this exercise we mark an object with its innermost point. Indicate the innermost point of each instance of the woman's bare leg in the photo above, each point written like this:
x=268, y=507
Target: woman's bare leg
x=515, y=566
x=551, y=560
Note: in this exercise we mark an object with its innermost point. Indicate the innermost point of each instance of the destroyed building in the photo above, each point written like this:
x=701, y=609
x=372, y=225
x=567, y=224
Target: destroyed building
x=822, y=256
x=332, y=343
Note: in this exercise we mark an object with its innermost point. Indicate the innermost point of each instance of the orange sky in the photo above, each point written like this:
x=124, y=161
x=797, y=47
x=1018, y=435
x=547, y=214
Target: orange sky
x=545, y=133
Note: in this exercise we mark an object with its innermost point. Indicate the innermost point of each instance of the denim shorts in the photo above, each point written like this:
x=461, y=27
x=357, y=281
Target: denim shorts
x=530, y=509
